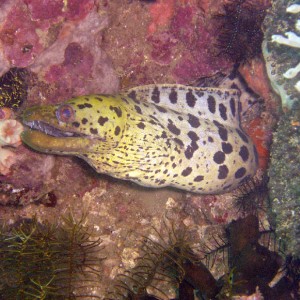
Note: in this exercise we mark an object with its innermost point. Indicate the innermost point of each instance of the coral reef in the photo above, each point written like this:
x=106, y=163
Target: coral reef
x=49, y=39
x=282, y=53
x=76, y=47
x=171, y=40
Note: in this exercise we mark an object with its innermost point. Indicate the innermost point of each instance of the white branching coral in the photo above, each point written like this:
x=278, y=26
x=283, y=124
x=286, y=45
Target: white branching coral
x=291, y=40
x=10, y=131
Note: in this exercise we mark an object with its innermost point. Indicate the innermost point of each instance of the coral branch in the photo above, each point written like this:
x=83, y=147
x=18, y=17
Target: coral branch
x=292, y=39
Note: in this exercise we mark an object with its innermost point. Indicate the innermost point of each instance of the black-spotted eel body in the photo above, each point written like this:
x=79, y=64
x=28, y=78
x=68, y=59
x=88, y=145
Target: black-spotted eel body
x=155, y=135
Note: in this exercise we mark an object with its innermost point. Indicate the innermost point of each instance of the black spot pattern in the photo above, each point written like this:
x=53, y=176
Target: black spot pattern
x=141, y=125
x=199, y=178
x=223, y=172
x=223, y=133
x=138, y=109
x=85, y=105
x=117, y=130
x=179, y=142
x=161, y=109
x=219, y=157
x=164, y=135
x=93, y=130
x=76, y=124
x=173, y=96
x=125, y=100
x=223, y=111
x=155, y=97
x=117, y=110
x=234, y=86
x=193, y=136
x=244, y=153
x=211, y=104
x=132, y=95
x=173, y=128
x=227, y=148
x=189, y=152
x=232, y=106
x=199, y=94
x=186, y=172
x=210, y=139
x=190, y=99
x=102, y=120
x=242, y=135
x=99, y=98
x=240, y=172
x=193, y=121
x=84, y=121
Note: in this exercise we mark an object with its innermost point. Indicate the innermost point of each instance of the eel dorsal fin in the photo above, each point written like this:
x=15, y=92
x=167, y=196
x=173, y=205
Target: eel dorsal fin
x=215, y=104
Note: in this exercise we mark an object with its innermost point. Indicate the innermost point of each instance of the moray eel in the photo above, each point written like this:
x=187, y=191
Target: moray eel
x=155, y=135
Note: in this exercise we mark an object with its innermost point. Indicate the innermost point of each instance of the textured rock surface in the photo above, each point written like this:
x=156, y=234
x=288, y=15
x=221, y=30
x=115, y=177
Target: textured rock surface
x=285, y=184
x=282, y=56
x=50, y=39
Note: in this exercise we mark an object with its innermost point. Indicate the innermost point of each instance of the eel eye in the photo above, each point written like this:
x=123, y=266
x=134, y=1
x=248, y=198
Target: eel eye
x=65, y=113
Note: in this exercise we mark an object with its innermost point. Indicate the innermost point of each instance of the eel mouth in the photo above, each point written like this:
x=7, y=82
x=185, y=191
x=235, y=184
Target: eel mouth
x=47, y=138
x=50, y=130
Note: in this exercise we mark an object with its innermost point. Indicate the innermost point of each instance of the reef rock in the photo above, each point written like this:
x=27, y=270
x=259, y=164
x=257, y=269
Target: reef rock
x=59, y=42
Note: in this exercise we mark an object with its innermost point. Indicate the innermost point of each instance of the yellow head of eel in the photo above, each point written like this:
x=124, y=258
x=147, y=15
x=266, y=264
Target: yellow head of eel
x=156, y=135
x=71, y=128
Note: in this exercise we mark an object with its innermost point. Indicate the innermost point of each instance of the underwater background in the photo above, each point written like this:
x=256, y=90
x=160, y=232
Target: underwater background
x=68, y=231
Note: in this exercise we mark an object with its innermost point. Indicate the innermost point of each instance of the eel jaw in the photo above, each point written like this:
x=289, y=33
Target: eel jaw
x=49, y=139
x=49, y=129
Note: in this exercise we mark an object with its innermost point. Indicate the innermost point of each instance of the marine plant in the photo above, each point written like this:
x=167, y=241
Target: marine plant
x=252, y=196
x=46, y=261
x=13, y=88
x=239, y=31
x=252, y=268
x=168, y=260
